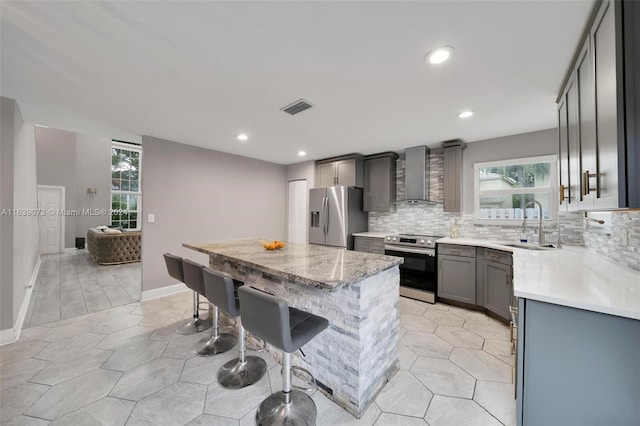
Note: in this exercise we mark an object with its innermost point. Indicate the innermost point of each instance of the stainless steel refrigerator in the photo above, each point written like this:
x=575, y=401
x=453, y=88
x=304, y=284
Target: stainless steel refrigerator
x=336, y=213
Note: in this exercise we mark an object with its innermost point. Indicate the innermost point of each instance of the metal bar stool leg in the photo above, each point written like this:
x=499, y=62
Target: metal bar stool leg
x=243, y=370
x=218, y=342
x=288, y=407
x=195, y=325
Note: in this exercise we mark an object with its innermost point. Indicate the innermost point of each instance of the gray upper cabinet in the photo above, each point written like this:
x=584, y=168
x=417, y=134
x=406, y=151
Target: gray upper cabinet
x=603, y=37
x=586, y=125
x=563, y=155
x=596, y=118
x=380, y=182
x=340, y=171
x=574, y=146
x=453, y=175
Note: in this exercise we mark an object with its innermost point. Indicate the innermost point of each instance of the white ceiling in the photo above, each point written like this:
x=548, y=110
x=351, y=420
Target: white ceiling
x=202, y=72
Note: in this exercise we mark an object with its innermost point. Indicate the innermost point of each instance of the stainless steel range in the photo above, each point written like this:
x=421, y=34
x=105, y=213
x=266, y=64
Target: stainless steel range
x=418, y=273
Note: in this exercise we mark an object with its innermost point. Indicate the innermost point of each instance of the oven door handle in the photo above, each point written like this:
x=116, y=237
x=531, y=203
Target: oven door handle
x=428, y=252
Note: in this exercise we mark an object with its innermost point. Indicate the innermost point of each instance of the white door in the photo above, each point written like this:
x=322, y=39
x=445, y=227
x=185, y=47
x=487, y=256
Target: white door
x=297, y=211
x=51, y=205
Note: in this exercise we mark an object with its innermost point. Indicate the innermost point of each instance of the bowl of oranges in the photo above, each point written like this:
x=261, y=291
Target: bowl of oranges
x=273, y=245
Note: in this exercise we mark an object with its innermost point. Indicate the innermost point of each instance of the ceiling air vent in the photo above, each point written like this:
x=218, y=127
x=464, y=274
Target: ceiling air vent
x=296, y=107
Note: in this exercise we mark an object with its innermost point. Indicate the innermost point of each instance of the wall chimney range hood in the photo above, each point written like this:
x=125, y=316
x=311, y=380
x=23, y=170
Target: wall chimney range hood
x=417, y=175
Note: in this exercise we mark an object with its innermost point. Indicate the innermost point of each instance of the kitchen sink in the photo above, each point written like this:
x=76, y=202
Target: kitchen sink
x=528, y=246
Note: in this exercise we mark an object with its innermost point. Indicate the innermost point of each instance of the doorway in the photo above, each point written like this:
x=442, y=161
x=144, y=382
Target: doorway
x=297, y=212
x=51, y=204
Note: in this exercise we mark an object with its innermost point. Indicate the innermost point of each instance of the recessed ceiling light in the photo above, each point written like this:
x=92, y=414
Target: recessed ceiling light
x=465, y=114
x=302, y=153
x=242, y=137
x=439, y=55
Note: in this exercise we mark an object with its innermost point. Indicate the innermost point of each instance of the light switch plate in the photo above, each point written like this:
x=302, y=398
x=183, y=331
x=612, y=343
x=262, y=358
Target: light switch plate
x=151, y=218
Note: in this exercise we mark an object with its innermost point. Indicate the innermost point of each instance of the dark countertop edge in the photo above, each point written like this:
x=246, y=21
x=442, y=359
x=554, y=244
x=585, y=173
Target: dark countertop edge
x=295, y=279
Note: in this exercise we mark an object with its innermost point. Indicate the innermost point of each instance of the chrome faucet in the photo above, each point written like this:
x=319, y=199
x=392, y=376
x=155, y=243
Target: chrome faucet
x=524, y=221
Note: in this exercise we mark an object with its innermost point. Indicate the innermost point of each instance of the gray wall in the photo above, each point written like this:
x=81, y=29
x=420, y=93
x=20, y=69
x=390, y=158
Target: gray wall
x=7, y=142
x=56, y=166
x=19, y=234
x=543, y=142
x=76, y=162
x=93, y=169
x=200, y=195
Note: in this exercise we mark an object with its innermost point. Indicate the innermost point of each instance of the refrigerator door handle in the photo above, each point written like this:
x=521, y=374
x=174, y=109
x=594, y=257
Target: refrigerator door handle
x=325, y=203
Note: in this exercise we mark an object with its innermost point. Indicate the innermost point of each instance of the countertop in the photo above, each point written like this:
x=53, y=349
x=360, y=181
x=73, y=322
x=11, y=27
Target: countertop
x=570, y=276
x=372, y=234
x=311, y=265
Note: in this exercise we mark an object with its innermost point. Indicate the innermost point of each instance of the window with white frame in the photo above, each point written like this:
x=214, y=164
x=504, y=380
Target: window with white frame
x=504, y=188
x=126, y=187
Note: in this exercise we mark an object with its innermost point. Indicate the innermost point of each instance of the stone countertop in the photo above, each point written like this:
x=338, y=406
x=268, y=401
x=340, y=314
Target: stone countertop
x=570, y=276
x=310, y=265
x=372, y=234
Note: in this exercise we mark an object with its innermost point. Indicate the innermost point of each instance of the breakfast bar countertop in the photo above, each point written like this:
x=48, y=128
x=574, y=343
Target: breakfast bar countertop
x=306, y=264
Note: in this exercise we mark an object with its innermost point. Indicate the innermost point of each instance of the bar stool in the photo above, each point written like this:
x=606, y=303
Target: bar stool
x=288, y=329
x=193, y=279
x=243, y=370
x=174, y=268
x=215, y=292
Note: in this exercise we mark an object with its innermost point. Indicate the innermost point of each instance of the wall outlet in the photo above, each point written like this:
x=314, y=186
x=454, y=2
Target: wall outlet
x=151, y=218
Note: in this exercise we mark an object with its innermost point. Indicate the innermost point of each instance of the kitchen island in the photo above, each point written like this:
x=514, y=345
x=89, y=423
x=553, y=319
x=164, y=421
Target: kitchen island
x=357, y=292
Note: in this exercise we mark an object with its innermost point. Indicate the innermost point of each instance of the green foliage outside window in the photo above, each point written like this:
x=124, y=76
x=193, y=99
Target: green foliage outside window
x=125, y=187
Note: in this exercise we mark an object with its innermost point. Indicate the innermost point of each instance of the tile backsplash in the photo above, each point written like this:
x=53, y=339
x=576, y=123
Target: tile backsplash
x=619, y=241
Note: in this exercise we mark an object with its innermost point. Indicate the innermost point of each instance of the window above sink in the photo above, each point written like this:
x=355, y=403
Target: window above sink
x=503, y=188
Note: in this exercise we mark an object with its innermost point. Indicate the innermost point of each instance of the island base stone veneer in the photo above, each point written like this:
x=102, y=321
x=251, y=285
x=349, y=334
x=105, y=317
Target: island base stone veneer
x=357, y=354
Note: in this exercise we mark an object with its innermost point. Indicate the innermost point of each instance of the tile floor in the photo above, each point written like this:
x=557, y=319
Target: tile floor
x=126, y=365
x=72, y=284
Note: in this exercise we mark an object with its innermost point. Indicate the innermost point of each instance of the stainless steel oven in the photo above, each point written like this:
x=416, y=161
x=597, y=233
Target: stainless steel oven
x=418, y=273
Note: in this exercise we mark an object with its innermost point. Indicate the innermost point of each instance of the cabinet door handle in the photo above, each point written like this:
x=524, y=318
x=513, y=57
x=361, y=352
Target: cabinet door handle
x=586, y=189
x=585, y=182
x=455, y=251
x=561, y=193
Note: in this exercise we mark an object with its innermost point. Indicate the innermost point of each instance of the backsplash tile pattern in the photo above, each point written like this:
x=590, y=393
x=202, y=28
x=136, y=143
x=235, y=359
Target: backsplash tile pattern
x=621, y=241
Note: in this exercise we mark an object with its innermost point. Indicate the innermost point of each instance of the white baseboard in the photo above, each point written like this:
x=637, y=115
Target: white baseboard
x=12, y=335
x=163, y=291
x=7, y=336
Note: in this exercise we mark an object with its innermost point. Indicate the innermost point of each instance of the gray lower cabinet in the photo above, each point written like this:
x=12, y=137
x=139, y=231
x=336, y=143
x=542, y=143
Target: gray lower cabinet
x=369, y=245
x=457, y=273
x=498, y=281
x=576, y=367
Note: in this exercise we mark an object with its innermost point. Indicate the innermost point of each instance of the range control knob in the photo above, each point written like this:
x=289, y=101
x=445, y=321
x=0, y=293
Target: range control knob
x=429, y=242
x=421, y=241
x=393, y=238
